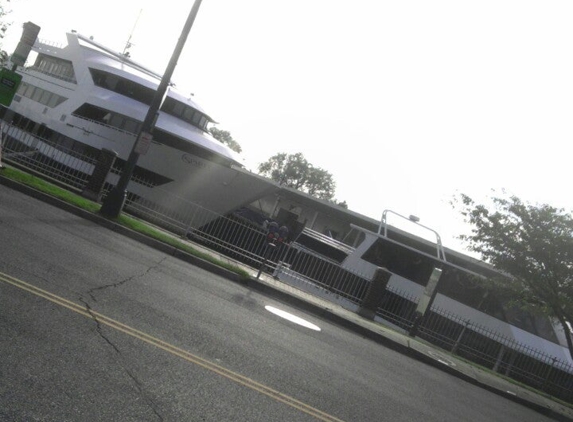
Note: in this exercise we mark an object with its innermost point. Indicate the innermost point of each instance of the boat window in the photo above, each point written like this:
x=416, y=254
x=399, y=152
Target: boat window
x=188, y=114
x=400, y=260
x=131, y=126
x=56, y=67
x=203, y=122
x=45, y=98
x=122, y=86
x=322, y=245
x=145, y=95
x=117, y=120
x=25, y=89
x=30, y=91
x=110, y=82
x=37, y=95
x=168, y=105
x=178, y=108
x=40, y=95
x=54, y=101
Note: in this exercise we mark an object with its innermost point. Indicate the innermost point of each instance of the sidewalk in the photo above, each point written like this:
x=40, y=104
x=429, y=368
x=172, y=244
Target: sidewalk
x=335, y=313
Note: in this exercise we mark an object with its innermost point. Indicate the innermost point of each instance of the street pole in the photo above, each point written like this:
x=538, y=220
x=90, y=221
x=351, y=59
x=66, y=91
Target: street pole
x=115, y=200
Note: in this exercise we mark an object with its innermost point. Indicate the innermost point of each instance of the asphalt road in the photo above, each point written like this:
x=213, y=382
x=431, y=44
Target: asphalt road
x=97, y=327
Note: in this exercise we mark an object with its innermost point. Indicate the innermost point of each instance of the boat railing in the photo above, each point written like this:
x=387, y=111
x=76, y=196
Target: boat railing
x=48, y=44
x=32, y=68
x=102, y=126
x=383, y=230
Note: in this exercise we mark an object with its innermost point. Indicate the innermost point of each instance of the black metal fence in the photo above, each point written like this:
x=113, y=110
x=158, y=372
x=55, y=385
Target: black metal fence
x=44, y=157
x=482, y=346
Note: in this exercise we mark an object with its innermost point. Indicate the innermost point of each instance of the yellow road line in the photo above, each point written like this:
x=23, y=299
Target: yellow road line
x=233, y=376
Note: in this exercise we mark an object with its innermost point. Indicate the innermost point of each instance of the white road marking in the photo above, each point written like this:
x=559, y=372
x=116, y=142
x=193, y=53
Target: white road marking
x=292, y=318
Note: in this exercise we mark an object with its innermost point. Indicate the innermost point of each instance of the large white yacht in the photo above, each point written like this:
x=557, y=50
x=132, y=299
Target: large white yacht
x=86, y=97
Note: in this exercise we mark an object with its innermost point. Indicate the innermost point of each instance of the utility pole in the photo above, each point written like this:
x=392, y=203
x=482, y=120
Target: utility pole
x=115, y=200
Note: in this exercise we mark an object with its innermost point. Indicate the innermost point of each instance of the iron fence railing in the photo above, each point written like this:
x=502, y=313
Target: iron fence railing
x=497, y=352
x=300, y=265
x=231, y=235
x=245, y=241
x=45, y=157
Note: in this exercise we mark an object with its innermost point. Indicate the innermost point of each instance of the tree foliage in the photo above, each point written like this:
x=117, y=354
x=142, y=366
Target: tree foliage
x=533, y=247
x=294, y=171
x=4, y=25
x=225, y=137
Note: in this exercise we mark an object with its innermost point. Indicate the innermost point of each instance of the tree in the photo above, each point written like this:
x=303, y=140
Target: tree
x=532, y=246
x=294, y=171
x=225, y=137
x=3, y=28
x=342, y=204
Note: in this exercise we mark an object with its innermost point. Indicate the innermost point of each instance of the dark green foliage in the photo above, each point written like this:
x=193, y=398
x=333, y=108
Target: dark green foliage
x=533, y=246
x=225, y=137
x=294, y=171
x=4, y=11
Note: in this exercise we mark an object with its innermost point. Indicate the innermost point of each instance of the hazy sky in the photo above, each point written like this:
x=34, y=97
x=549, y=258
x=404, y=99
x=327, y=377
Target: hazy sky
x=406, y=103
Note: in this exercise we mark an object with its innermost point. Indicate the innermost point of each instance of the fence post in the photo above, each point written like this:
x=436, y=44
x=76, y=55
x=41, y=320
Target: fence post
x=549, y=372
x=510, y=364
x=459, y=339
x=268, y=248
x=499, y=358
x=188, y=229
x=374, y=294
x=94, y=188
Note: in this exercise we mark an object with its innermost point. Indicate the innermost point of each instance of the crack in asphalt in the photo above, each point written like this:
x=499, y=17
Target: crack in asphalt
x=138, y=385
x=98, y=325
x=91, y=292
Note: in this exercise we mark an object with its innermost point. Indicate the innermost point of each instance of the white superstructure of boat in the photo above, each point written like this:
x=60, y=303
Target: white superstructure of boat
x=411, y=261
x=86, y=97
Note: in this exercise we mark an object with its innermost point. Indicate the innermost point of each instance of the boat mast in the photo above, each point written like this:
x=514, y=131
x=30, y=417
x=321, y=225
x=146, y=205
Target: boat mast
x=128, y=43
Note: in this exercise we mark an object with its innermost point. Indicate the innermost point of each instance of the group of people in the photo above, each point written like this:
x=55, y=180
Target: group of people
x=274, y=232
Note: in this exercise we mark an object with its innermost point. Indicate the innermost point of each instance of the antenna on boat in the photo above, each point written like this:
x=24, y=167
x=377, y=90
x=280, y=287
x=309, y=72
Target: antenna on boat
x=128, y=44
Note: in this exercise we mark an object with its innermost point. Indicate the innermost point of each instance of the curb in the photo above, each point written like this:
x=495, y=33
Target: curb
x=112, y=225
